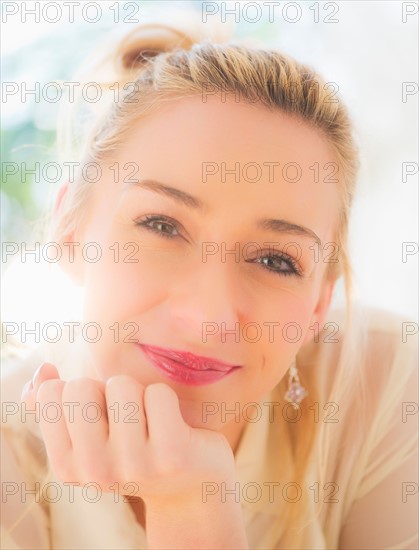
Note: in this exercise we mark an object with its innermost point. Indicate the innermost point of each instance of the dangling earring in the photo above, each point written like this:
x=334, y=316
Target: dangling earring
x=295, y=393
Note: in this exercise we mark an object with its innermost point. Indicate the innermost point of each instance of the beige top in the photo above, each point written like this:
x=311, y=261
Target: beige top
x=364, y=449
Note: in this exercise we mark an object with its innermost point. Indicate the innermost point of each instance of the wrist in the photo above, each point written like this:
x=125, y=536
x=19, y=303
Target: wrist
x=190, y=523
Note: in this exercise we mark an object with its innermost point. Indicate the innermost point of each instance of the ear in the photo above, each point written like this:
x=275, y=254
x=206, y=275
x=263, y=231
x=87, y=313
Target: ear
x=322, y=307
x=71, y=257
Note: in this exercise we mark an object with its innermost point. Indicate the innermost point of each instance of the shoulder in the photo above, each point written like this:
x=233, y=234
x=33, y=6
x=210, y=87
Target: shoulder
x=374, y=379
x=368, y=378
x=371, y=347
x=379, y=507
x=365, y=372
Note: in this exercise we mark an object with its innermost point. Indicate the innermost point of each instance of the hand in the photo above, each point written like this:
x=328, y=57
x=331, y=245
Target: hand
x=122, y=432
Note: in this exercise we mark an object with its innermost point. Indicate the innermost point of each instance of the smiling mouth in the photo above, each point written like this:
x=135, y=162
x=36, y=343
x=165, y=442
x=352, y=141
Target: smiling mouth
x=185, y=367
x=190, y=360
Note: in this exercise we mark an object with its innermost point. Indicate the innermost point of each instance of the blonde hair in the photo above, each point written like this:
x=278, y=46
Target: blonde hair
x=165, y=63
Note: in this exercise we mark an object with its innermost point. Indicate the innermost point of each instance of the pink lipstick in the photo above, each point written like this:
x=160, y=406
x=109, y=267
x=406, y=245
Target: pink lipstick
x=187, y=368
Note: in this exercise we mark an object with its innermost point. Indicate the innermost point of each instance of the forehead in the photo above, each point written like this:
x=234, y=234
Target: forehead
x=229, y=130
x=234, y=153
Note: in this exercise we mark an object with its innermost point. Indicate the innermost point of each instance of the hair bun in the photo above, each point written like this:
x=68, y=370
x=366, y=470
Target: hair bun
x=120, y=55
x=148, y=41
x=182, y=30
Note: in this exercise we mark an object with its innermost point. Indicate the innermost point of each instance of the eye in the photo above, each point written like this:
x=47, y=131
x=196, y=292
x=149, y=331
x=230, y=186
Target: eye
x=160, y=225
x=276, y=263
x=279, y=264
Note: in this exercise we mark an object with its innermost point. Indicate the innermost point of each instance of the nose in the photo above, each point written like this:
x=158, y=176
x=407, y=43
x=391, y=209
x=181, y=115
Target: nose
x=204, y=302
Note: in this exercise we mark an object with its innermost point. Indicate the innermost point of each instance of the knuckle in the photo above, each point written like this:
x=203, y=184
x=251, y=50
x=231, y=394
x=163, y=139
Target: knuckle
x=83, y=390
x=167, y=464
x=94, y=471
x=133, y=470
x=123, y=381
x=62, y=467
x=49, y=388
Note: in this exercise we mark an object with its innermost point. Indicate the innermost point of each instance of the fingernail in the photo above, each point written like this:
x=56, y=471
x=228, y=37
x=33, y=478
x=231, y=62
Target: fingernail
x=38, y=375
x=26, y=389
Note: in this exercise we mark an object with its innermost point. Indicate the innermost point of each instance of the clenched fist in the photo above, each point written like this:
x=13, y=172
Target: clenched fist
x=123, y=433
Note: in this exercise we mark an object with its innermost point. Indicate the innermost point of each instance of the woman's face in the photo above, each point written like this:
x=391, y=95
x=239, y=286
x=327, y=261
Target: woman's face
x=211, y=275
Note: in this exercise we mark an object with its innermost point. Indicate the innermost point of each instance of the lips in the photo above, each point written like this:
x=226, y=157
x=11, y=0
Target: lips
x=186, y=367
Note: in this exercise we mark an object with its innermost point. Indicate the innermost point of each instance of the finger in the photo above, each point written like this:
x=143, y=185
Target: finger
x=166, y=426
x=127, y=420
x=86, y=416
x=46, y=371
x=53, y=426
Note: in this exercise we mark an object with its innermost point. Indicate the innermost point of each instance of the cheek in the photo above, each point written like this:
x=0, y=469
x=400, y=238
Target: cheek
x=290, y=319
x=286, y=318
x=118, y=294
x=123, y=284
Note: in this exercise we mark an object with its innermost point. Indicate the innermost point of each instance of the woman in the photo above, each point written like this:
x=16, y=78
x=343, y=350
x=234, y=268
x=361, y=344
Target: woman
x=217, y=403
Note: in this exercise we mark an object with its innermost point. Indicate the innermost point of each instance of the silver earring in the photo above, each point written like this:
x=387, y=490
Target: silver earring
x=295, y=393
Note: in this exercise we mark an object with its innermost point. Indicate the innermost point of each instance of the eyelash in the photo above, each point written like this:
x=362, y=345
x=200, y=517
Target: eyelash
x=296, y=270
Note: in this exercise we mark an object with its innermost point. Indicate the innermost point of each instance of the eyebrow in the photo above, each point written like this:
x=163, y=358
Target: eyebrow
x=269, y=224
x=176, y=194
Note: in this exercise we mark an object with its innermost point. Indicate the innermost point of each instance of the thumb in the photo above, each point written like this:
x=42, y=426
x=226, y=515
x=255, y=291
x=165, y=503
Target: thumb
x=164, y=418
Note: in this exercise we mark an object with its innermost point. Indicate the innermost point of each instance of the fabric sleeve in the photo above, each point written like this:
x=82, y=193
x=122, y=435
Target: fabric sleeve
x=24, y=516
x=384, y=512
